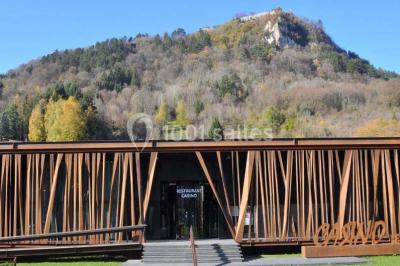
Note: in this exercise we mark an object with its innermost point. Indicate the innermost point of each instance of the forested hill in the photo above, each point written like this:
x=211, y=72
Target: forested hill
x=270, y=70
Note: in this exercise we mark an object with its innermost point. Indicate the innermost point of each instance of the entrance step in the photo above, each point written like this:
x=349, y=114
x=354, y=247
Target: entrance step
x=209, y=252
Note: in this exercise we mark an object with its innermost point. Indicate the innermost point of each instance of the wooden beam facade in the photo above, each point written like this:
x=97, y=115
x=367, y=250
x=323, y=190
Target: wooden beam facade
x=286, y=195
x=58, y=193
x=267, y=193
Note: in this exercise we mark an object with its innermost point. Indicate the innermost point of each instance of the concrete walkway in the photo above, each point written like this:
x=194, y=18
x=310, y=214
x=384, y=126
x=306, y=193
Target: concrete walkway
x=295, y=260
x=186, y=242
x=251, y=261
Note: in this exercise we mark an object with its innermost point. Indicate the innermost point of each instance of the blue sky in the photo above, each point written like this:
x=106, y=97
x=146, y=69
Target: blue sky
x=30, y=29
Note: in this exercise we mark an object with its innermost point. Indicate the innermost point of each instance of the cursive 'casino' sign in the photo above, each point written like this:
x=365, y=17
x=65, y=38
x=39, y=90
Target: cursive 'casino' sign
x=351, y=233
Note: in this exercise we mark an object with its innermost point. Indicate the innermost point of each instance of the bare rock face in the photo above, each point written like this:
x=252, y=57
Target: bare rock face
x=284, y=29
x=276, y=28
x=276, y=33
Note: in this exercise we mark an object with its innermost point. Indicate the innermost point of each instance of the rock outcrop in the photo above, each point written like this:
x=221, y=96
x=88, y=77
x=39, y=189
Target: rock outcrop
x=284, y=29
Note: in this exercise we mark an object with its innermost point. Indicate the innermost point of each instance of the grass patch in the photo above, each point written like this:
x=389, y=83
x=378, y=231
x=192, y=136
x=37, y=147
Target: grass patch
x=374, y=260
x=384, y=260
x=277, y=256
x=76, y=261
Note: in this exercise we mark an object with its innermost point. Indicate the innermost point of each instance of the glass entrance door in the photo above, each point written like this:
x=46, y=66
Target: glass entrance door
x=184, y=204
x=189, y=210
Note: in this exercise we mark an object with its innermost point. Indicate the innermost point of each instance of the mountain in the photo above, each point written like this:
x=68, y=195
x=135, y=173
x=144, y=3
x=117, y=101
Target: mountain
x=272, y=70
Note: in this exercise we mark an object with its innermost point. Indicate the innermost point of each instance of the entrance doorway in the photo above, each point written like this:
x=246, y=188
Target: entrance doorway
x=189, y=210
x=190, y=204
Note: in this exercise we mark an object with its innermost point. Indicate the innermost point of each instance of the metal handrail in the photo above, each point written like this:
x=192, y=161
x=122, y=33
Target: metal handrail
x=193, y=246
x=140, y=227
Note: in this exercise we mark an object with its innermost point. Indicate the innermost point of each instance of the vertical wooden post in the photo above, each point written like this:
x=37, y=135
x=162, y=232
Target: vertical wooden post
x=123, y=192
x=390, y=194
x=139, y=184
x=245, y=195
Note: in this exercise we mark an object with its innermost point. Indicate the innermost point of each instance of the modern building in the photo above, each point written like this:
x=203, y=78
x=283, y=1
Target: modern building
x=258, y=193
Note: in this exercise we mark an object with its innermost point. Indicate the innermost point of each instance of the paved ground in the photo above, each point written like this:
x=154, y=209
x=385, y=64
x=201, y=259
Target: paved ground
x=186, y=242
x=290, y=260
x=276, y=261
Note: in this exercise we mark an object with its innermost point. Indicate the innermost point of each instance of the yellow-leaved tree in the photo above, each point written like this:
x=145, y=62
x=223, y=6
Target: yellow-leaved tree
x=37, y=131
x=162, y=114
x=65, y=120
x=181, y=116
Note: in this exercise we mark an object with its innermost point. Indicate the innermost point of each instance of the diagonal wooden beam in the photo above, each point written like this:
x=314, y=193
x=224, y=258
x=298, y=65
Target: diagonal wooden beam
x=228, y=218
x=288, y=181
x=248, y=176
x=114, y=170
x=52, y=194
x=149, y=186
x=344, y=186
x=375, y=170
x=221, y=169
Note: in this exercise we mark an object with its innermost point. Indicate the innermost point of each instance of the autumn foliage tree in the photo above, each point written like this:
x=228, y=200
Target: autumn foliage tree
x=181, y=114
x=37, y=131
x=162, y=114
x=65, y=120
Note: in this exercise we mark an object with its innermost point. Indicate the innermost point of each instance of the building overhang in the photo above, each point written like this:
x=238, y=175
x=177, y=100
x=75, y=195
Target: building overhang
x=208, y=145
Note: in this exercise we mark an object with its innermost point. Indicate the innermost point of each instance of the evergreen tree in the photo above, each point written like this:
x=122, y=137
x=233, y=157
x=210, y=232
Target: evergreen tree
x=10, y=124
x=198, y=107
x=167, y=42
x=272, y=117
x=229, y=84
x=216, y=131
x=135, y=79
x=71, y=89
x=56, y=92
x=115, y=79
x=178, y=34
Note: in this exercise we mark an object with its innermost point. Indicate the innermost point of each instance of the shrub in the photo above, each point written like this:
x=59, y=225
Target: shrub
x=229, y=84
x=378, y=128
x=216, y=131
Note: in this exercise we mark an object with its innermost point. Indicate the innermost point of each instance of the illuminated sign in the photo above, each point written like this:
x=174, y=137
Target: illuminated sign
x=189, y=193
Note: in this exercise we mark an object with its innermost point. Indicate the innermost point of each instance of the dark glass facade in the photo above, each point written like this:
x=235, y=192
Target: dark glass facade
x=181, y=197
